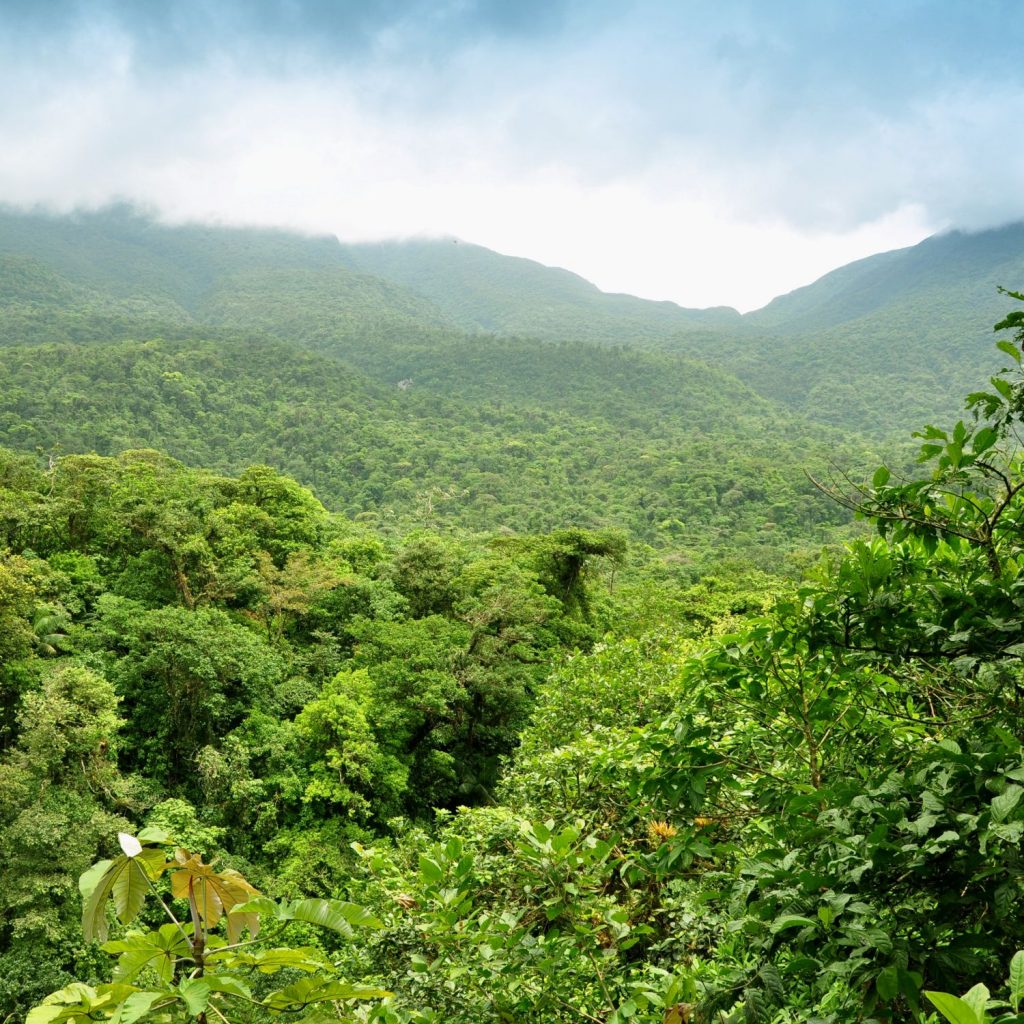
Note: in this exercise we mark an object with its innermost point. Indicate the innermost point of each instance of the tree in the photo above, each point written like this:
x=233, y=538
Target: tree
x=945, y=584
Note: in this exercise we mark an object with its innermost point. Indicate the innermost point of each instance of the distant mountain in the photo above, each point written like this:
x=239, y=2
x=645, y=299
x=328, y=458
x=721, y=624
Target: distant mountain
x=226, y=346
x=120, y=251
x=484, y=290
x=890, y=341
x=958, y=262
x=876, y=347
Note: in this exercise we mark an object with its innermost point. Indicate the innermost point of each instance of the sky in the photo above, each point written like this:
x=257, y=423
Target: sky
x=711, y=153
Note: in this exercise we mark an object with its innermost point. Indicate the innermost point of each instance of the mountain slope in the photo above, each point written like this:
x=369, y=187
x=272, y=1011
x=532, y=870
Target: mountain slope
x=484, y=290
x=890, y=341
x=122, y=253
x=964, y=263
x=684, y=470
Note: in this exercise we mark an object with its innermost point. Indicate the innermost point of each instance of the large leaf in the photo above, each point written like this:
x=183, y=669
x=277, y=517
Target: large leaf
x=228, y=984
x=269, y=961
x=158, y=950
x=1004, y=804
x=195, y=993
x=136, y=1006
x=337, y=915
x=791, y=921
x=334, y=914
x=216, y=892
x=127, y=880
x=318, y=990
x=1017, y=979
x=955, y=1010
x=78, y=1003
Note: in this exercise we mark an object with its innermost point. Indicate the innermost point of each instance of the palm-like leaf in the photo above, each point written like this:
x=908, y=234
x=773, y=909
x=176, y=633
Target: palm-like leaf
x=127, y=880
x=216, y=893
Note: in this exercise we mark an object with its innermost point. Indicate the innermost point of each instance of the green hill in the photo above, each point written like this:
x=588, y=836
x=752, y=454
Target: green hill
x=484, y=290
x=390, y=375
x=658, y=457
x=887, y=342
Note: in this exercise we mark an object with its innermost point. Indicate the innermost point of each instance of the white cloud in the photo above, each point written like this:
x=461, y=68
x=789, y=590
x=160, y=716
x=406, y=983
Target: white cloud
x=680, y=165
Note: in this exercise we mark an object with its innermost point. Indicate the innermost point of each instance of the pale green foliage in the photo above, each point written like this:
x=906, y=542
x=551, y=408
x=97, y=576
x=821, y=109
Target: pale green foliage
x=69, y=728
x=347, y=768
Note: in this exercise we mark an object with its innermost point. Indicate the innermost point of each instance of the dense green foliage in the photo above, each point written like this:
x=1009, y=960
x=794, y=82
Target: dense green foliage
x=729, y=477
x=225, y=348
x=486, y=755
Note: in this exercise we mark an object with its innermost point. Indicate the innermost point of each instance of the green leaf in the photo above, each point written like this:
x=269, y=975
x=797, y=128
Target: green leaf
x=430, y=870
x=317, y=990
x=129, y=889
x=136, y=1006
x=259, y=905
x=228, y=984
x=955, y=1010
x=888, y=984
x=158, y=950
x=1016, y=980
x=1004, y=804
x=791, y=921
x=1010, y=349
x=268, y=961
x=125, y=879
x=881, y=477
x=90, y=879
x=44, y=1014
x=983, y=440
x=977, y=999
x=334, y=914
x=152, y=834
x=195, y=992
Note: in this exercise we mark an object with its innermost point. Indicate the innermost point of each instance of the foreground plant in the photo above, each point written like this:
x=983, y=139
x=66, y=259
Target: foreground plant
x=973, y=1007
x=196, y=966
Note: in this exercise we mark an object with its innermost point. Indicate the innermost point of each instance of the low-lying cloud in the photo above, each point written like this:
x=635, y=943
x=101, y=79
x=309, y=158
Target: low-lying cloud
x=703, y=152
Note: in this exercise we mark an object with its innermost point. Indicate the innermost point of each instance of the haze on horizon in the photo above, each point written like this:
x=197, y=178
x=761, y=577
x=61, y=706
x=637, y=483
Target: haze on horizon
x=708, y=153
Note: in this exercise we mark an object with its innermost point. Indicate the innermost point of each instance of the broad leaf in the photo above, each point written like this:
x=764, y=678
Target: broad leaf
x=955, y=1010
x=1004, y=804
x=268, y=961
x=158, y=950
x=317, y=990
x=334, y=914
x=791, y=921
x=195, y=993
x=216, y=892
x=228, y=984
x=127, y=880
x=136, y=1006
x=1017, y=979
x=977, y=1000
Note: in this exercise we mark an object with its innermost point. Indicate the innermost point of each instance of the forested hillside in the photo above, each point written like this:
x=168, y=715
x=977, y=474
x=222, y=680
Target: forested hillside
x=509, y=777
x=890, y=340
x=872, y=347
x=360, y=664
x=469, y=445
x=484, y=290
x=227, y=347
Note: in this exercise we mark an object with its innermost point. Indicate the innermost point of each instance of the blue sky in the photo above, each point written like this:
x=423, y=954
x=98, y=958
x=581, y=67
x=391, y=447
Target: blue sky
x=709, y=153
